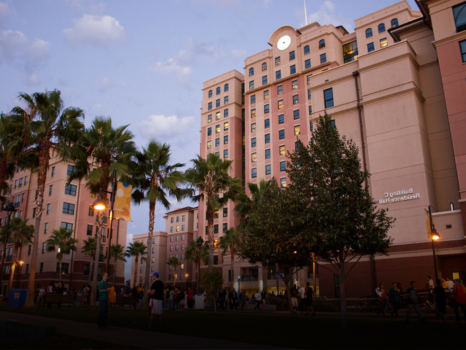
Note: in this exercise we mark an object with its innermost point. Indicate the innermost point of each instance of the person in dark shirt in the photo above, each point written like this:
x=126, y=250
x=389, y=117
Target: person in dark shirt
x=413, y=302
x=440, y=298
x=309, y=293
x=156, y=300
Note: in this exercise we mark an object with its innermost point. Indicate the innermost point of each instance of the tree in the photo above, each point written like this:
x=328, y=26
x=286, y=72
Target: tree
x=211, y=281
x=156, y=180
x=117, y=252
x=63, y=240
x=229, y=242
x=195, y=252
x=46, y=124
x=136, y=249
x=89, y=248
x=339, y=219
x=102, y=150
x=173, y=262
x=210, y=176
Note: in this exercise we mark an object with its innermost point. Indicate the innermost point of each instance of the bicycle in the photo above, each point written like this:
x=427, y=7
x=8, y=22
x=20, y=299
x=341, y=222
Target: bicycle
x=427, y=307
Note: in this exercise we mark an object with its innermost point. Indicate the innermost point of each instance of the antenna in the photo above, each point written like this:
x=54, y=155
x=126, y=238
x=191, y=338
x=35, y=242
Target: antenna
x=305, y=12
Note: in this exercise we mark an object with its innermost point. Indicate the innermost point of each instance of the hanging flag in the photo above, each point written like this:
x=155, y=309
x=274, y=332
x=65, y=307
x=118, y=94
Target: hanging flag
x=123, y=201
x=428, y=224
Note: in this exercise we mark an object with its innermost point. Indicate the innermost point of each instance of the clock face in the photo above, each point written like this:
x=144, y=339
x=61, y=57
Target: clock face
x=283, y=42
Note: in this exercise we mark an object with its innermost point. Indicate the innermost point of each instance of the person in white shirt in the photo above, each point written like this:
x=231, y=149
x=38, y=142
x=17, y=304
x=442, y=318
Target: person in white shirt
x=302, y=292
x=258, y=298
x=450, y=284
x=430, y=282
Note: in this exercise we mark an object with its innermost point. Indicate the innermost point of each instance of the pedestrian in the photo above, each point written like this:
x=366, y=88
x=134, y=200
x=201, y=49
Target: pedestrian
x=171, y=302
x=450, y=284
x=60, y=290
x=156, y=300
x=51, y=290
x=41, y=295
x=242, y=299
x=190, y=298
x=398, y=285
x=413, y=302
x=103, y=301
x=430, y=283
x=382, y=299
x=257, y=297
x=444, y=284
x=294, y=298
x=459, y=295
x=394, y=298
x=134, y=297
x=440, y=300
x=233, y=299
x=302, y=293
x=309, y=294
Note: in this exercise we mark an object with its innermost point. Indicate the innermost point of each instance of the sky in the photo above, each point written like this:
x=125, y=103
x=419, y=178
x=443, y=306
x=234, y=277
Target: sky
x=143, y=62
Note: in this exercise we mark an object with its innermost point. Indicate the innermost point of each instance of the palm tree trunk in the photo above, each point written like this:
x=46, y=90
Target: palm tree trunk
x=90, y=270
x=44, y=149
x=232, y=252
x=343, y=291
x=210, y=228
x=59, y=270
x=114, y=271
x=145, y=299
x=136, y=270
x=98, y=237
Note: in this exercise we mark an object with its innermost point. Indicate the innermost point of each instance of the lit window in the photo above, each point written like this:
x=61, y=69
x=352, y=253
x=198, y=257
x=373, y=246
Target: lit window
x=328, y=98
x=209, y=118
x=209, y=144
x=251, y=71
x=283, y=182
x=280, y=104
x=266, y=123
x=225, y=153
x=293, y=69
x=294, y=84
x=306, y=49
x=296, y=114
x=383, y=42
x=295, y=99
x=253, y=127
x=281, y=119
x=253, y=99
x=279, y=89
x=307, y=63
x=253, y=113
x=277, y=61
x=177, y=229
x=281, y=134
x=267, y=138
x=253, y=172
x=217, y=129
x=217, y=115
x=264, y=66
x=292, y=55
x=225, y=126
x=225, y=212
x=323, y=58
x=283, y=166
x=381, y=28
x=278, y=74
x=297, y=130
x=264, y=80
x=368, y=32
x=251, y=85
x=282, y=150
x=267, y=154
x=370, y=47
x=394, y=21
x=266, y=94
x=253, y=142
x=266, y=108
x=321, y=43
x=268, y=169
x=253, y=157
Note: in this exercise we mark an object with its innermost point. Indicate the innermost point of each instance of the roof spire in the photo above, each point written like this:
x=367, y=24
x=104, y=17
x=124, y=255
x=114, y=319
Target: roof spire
x=305, y=12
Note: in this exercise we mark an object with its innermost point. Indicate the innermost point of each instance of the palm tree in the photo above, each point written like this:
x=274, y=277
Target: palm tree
x=117, y=252
x=46, y=124
x=210, y=176
x=195, y=252
x=136, y=249
x=173, y=262
x=89, y=248
x=229, y=242
x=63, y=240
x=155, y=181
x=102, y=150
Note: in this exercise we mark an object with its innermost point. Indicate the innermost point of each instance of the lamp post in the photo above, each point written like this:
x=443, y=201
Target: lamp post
x=239, y=288
x=13, y=266
x=199, y=242
x=434, y=236
x=10, y=208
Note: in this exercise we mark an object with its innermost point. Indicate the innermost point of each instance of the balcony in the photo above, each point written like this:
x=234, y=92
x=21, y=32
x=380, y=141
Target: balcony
x=249, y=278
x=273, y=276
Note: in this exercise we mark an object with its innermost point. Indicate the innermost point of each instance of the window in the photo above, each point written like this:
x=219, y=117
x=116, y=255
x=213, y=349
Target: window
x=224, y=228
x=336, y=283
x=253, y=172
x=16, y=183
x=171, y=237
x=281, y=134
x=321, y=43
x=20, y=182
x=268, y=169
x=253, y=127
x=283, y=182
x=217, y=90
x=311, y=126
x=293, y=69
x=46, y=227
x=253, y=157
x=68, y=226
x=215, y=259
x=210, y=93
x=308, y=94
x=463, y=50
x=176, y=247
x=266, y=123
x=217, y=103
x=48, y=209
x=323, y=58
x=310, y=110
x=267, y=138
x=172, y=219
x=264, y=66
x=282, y=166
x=209, y=118
x=22, y=198
x=225, y=88
x=225, y=212
x=209, y=131
x=25, y=180
x=50, y=190
x=44, y=246
x=41, y=268
x=280, y=104
x=215, y=229
x=368, y=32
x=281, y=119
x=253, y=113
x=225, y=139
x=332, y=122
x=253, y=142
x=209, y=144
x=217, y=129
x=267, y=154
x=266, y=94
x=312, y=140
x=251, y=71
x=70, y=189
x=307, y=63
x=27, y=269
x=225, y=153
x=225, y=113
x=328, y=98
x=209, y=106
x=171, y=248
x=370, y=47
x=292, y=55
x=53, y=172
x=277, y=61
x=89, y=230
x=266, y=108
x=295, y=99
x=297, y=130
x=306, y=50
x=296, y=114
x=225, y=100
x=264, y=80
x=394, y=21
x=182, y=227
x=383, y=42
x=279, y=89
x=182, y=238
x=278, y=74
x=294, y=84
x=253, y=99
x=71, y=169
x=381, y=28
x=282, y=150
x=251, y=85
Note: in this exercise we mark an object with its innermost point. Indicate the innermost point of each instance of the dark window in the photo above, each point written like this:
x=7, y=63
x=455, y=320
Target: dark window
x=281, y=119
x=370, y=47
x=282, y=166
x=306, y=49
x=225, y=113
x=224, y=228
x=33, y=213
x=394, y=22
x=307, y=63
x=86, y=270
x=68, y=226
x=296, y=146
x=215, y=229
x=267, y=138
x=215, y=259
x=225, y=100
x=310, y=110
x=217, y=103
x=225, y=153
x=459, y=14
x=70, y=189
x=251, y=85
x=311, y=126
x=225, y=88
x=277, y=61
x=253, y=142
x=463, y=50
x=210, y=93
x=268, y=169
x=253, y=99
x=209, y=107
x=217, y=90
x=328, y=98
x=266, y=123
x=293, y=69
x=296, y=114
x=251, y=71
x=295, y=99
x=308, y=94
x=209, y=131
x=292, y=55
x=381, y=28
x=264, y=80
x=68, y=208
x=281, y=134
x=225, y=139
x=278, y=74
x=350, y=51
x=91, y=211
x=368, y=32
x=254, y=172
x=266, y=108
x=321, y=43
x=29, y=249
x=323, y=58
x=336, y=282
x=71, y=169
x=333, y=123
x=279, y=89
x=217, y=142
x=267, y=154
x=41, y=268
x=89, y=230
x=264, y=66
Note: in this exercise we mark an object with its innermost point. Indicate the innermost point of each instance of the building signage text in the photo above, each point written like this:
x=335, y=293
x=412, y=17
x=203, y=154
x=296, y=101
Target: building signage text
x=399, y=196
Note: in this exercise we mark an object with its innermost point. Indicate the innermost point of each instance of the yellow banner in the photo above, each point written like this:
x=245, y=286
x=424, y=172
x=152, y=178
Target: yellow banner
x=429, y=232
x=123, y=201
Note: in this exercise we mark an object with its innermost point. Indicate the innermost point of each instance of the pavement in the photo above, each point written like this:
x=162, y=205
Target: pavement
x=131, y=337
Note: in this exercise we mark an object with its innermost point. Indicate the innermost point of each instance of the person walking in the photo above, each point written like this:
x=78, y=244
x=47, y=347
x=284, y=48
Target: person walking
x=60, y=290
x=190, y=298
x=430, y=283
x=257, y=298
x=413, y=302
x=103, y=301
x=459, y=295
x=294, y=298
x=308, y=299
x=233, y=299
x=382, y=299
x=171, y=302
x=440, y=300
x=302, y=294
x=394, y=298
x=156, y=300
x=242, y=299
x=450, y=284
x=51, y=289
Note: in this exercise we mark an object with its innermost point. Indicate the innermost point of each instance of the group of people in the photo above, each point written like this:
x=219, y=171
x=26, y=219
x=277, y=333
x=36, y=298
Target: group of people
x=306, y=295
x=175, y=298
x=444, y=292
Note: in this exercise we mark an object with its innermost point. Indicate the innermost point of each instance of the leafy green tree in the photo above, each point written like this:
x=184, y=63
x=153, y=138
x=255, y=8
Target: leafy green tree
x=63, y=240
x=339, y=220
x=46, y=124
x=156, y=180
x=196, y=252
x=211, y=281
x=229, y=242
x=210, y=176
x=136, y=249
x=89, y=248
x=117, y=252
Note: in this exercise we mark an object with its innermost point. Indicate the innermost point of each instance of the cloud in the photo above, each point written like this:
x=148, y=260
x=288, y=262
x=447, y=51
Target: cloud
x=164, y=128
x=95, y=30
x=107, y=83
x=4, y=12
x=171, y=66
x=326, y=15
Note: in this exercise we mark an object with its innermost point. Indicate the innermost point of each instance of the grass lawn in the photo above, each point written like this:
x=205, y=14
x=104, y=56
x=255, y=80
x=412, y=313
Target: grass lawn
x=319, y=332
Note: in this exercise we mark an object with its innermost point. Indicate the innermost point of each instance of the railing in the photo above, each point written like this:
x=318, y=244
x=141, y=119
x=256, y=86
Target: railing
x=273, y=276
x=248, y=278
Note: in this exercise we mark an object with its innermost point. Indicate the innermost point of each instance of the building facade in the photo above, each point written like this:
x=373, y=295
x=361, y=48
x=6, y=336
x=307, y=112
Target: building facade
x=65, y=205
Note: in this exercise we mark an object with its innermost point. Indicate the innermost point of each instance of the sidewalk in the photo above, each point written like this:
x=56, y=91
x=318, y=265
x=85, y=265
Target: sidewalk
x=130, y=337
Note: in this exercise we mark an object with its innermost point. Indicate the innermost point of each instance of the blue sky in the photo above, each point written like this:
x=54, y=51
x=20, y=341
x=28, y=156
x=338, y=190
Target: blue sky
x=143, y=62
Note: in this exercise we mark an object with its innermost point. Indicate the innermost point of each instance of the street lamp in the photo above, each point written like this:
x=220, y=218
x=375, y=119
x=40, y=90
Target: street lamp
x=10, y=208
x=13, y=266
x=434, y=236
x=239, y=288
x=199, y=242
